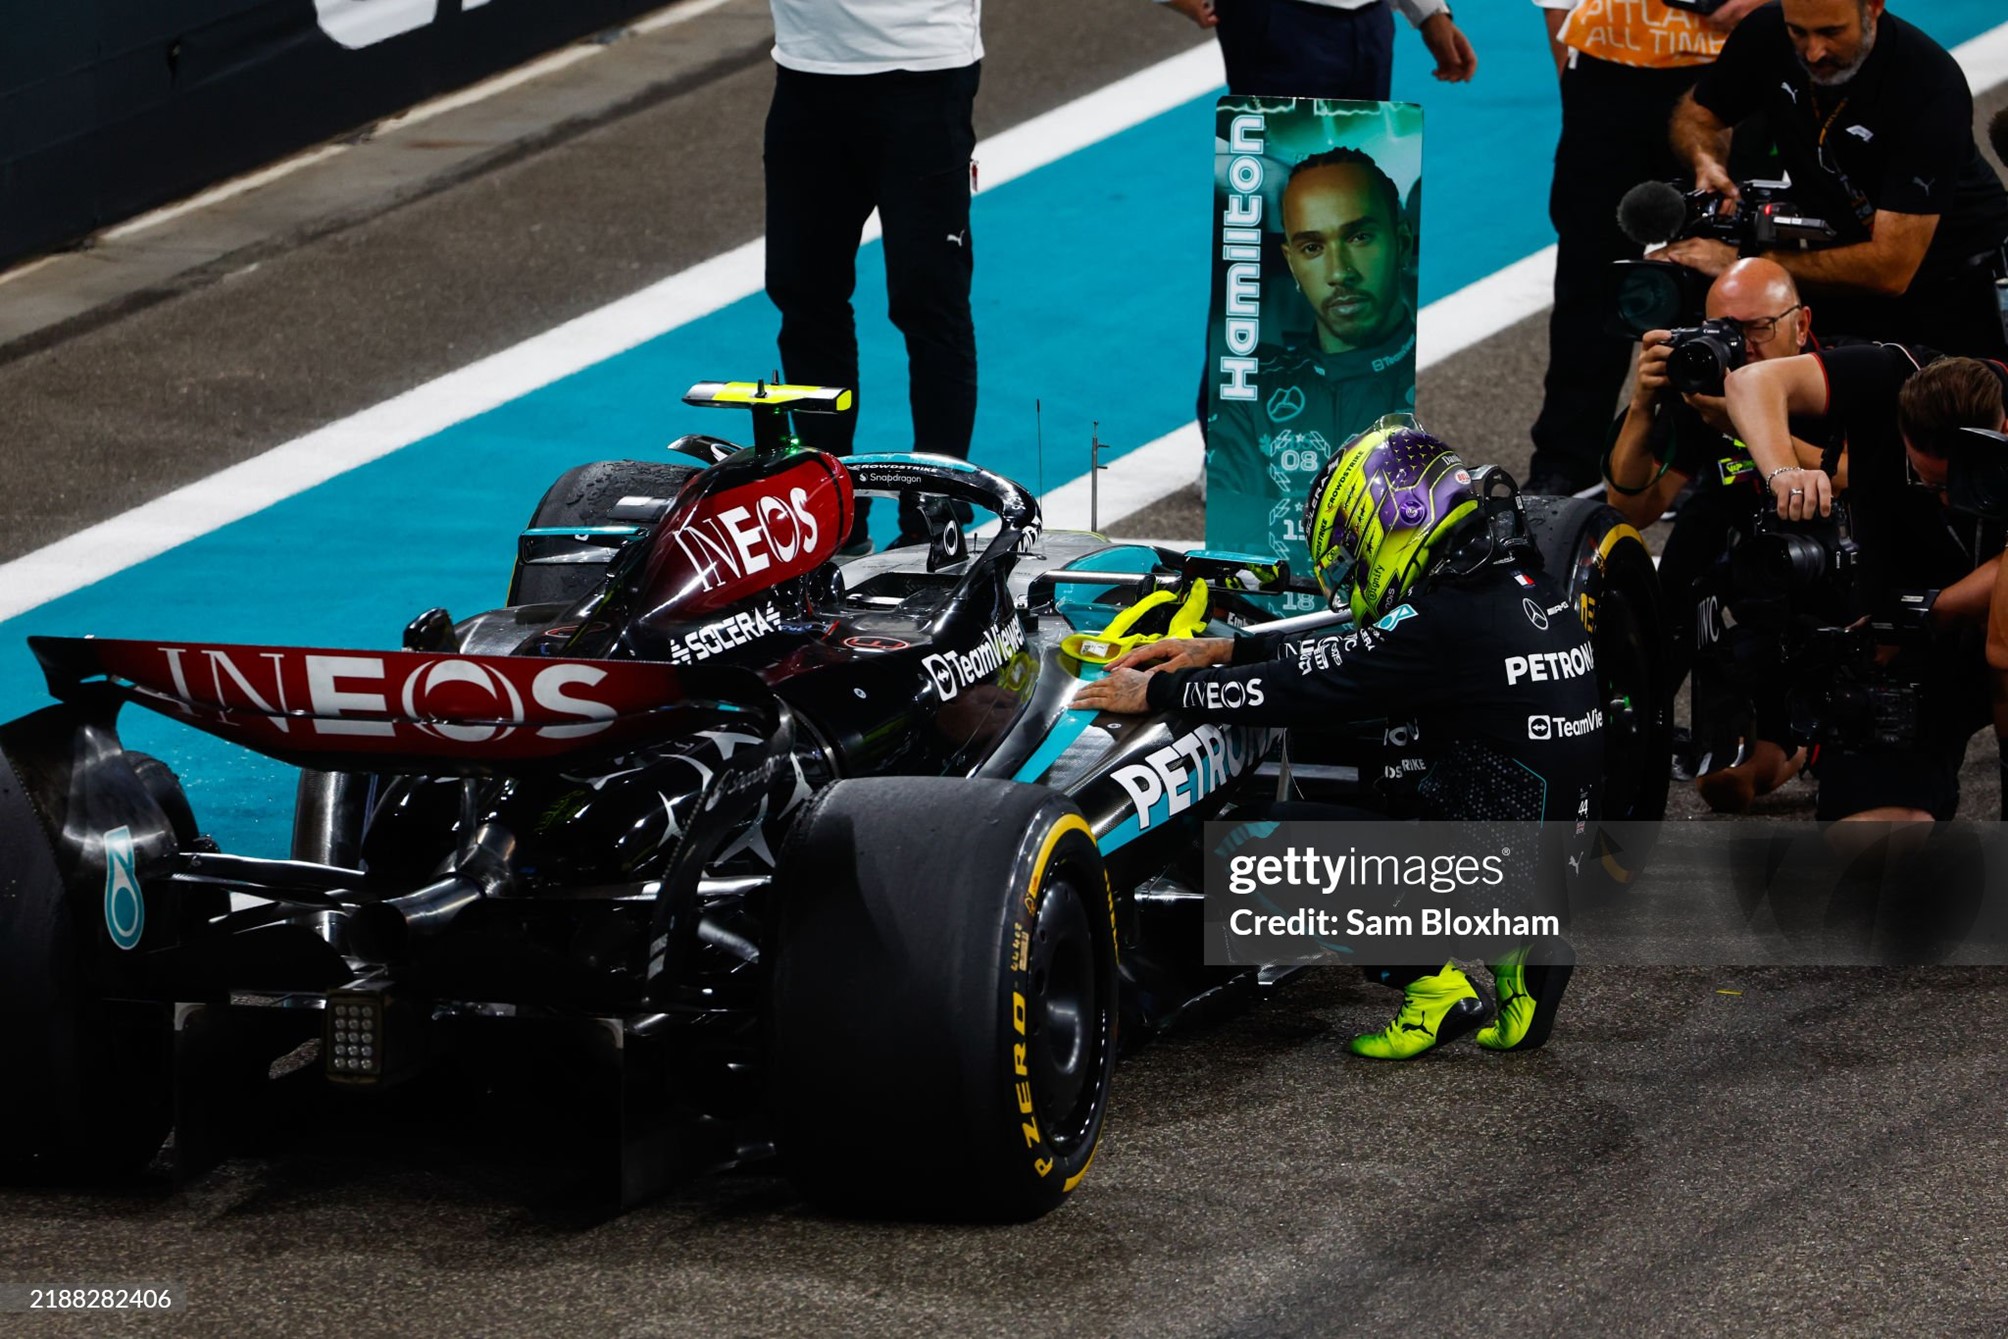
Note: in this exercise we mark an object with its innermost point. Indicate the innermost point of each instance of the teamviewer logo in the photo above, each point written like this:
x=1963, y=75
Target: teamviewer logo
x=1540, y=727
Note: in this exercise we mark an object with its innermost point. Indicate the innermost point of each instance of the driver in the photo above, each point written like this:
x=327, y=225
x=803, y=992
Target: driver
x=1475, y=646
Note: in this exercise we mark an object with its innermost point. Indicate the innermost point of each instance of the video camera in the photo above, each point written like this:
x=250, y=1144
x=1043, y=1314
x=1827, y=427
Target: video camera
x=1785, y=619
x=1659, y=294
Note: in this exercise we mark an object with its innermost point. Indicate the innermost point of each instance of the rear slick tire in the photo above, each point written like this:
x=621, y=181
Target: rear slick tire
x=88, y=1097
x=1606, y=570
x=944, y=999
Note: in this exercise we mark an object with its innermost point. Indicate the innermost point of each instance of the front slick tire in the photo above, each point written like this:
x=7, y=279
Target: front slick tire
x=944, y=999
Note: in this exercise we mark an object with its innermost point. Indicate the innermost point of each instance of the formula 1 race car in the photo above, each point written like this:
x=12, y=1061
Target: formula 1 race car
x=790, y=855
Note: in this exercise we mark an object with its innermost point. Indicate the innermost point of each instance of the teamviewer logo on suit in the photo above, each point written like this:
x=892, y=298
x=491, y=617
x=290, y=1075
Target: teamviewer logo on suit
x=1540, y=727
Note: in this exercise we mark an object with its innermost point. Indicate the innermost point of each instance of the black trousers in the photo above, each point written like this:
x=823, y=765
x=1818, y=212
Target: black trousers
x=1614, y=136
x=1291, y=49
x=838, y=147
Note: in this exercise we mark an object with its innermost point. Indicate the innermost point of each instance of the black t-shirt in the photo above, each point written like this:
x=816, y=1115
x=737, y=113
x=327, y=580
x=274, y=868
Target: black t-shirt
x=1898, y=136
x=1908, y=538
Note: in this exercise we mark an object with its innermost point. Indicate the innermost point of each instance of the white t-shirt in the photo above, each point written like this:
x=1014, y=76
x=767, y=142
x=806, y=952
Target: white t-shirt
x=873, y=36
x=1415, y=11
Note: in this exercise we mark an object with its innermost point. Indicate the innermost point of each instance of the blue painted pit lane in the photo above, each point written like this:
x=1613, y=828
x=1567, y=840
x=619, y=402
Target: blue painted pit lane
x=1090, y=293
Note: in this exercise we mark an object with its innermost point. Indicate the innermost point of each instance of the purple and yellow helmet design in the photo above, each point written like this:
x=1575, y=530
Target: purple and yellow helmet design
x=1379, y=511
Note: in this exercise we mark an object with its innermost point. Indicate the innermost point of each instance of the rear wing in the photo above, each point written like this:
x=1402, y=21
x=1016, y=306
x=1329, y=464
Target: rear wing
x=398, y=711
x=762, y=394
x=771, y=405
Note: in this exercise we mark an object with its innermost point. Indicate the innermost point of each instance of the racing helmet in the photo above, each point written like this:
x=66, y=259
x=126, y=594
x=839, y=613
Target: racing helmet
x=1380, y=511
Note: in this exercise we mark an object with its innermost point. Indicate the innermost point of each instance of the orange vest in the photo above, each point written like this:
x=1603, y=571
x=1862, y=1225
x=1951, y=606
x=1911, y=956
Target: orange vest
x=1644, y=33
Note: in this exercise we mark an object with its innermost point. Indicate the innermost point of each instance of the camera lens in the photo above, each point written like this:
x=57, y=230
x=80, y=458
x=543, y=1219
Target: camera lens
x=1698, y=366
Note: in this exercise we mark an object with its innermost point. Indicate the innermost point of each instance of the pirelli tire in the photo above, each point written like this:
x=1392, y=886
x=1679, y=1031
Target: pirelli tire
x=586, y=495
x=944, y=999
x=1607, y=571
x=87, y=1094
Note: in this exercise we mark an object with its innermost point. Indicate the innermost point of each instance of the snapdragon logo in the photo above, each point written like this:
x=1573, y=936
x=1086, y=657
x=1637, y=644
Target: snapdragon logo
x=1562, y=727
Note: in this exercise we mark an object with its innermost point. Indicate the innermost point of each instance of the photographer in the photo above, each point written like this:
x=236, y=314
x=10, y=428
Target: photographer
x=1897, y=408
x=1874, y=121
x=1677, y=429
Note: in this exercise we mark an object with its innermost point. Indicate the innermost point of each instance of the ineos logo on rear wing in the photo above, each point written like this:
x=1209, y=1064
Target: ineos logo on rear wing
x=294, y=700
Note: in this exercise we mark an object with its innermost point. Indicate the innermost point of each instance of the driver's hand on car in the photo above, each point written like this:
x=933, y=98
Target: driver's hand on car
x=1178, y=653
x=1123, y=690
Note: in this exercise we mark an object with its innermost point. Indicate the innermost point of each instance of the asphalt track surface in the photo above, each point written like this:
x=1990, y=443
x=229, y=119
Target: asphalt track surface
x=1700, y=1151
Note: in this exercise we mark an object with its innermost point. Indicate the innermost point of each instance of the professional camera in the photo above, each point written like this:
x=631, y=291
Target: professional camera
x=1701, y=357
x=1785, y=619
x=1977, y=473
x=1658, y=294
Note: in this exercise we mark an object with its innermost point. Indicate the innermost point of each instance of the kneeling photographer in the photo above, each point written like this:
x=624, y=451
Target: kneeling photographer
x=1677, y=430
x=1876, y=602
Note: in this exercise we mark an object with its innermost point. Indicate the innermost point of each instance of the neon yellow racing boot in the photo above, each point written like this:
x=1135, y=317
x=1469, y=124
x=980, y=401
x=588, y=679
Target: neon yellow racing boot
x=1434, y=1009
x=1528, y=999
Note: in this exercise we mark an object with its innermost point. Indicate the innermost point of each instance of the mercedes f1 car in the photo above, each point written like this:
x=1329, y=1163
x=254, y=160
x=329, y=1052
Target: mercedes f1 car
x=802, y=857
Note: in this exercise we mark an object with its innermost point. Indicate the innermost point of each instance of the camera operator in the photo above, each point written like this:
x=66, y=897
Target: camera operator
x=1677, y=429
x=1874, y=121
x=1897, y=408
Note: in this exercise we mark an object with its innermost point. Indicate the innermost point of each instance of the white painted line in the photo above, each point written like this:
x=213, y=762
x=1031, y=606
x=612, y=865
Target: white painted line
x=1447, y=326
x=1137, y=478
x=1985, y=59
x=675, y=14
x=424, y=111
x=210, y=503
x=1479, y=311
x=236, y=186
x=487, y=88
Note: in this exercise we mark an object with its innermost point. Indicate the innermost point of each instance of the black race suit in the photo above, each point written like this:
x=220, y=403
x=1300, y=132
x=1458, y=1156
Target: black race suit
x=1495, y=671
x=1492, y=677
